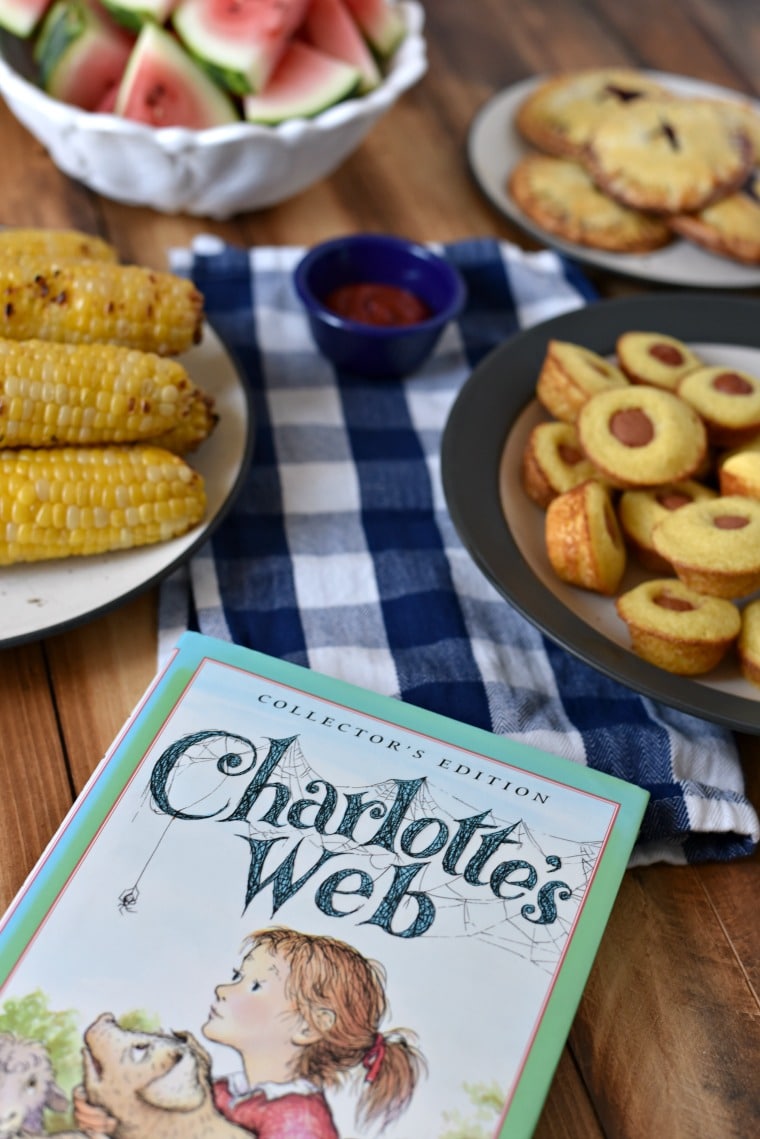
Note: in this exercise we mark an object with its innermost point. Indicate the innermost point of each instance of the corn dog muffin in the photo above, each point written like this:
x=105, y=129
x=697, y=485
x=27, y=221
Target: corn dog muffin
x=639, y=511
x=739, y=473
x=569, y=375
x=714, y=545
x=560, y=197
x=748, y=645
x=669, y=156
x=641, y=436
x=583, y=539
x=653, y=358
x=559, y=115
x=727, y=400
x=553, y=462
x=676, y=628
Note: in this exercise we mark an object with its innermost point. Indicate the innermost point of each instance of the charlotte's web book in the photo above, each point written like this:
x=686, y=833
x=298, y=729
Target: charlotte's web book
x=287, y=907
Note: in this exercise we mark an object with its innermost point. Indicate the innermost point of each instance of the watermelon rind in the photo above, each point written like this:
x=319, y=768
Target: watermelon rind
x=239, y=45
x=330, y=27
x=22, y=17
x=132, y=14
x=382, y=23
x=305, y=82
x=160, y=76
x=80, y=54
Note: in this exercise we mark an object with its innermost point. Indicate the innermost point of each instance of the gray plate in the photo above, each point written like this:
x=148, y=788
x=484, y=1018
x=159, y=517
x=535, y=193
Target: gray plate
x=495, y=405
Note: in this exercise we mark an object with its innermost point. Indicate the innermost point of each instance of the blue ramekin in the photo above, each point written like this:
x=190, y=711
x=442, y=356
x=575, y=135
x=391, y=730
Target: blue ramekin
x=377, y=352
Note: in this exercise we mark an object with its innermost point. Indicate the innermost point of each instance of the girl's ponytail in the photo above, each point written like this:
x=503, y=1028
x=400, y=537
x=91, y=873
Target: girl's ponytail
x=393, y=1067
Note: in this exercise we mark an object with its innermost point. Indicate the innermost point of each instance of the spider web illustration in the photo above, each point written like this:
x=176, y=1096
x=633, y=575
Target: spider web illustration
x=462, y=909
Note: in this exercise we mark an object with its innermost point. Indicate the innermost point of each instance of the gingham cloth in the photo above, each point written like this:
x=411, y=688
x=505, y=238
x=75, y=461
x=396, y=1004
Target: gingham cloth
x=339, y=553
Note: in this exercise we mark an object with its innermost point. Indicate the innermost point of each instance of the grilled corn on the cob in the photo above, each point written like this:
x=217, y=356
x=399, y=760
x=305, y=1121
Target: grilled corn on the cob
x=85, y=302
x=70, y=244
x=52, y=394
x=90, y=500
x=191, y=430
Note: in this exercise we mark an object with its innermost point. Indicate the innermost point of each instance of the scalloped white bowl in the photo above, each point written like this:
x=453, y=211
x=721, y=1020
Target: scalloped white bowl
x=211, y=173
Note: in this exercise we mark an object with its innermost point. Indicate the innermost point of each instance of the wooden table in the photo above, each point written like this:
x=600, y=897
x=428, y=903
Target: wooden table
x=667, y=1038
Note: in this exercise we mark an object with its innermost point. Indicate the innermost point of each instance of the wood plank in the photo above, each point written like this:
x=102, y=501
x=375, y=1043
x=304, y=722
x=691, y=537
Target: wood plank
x=35, y=791
x=568, y=1112
x=691, y=1035
x=33, y=191
x=99, y=672
x=732, y=889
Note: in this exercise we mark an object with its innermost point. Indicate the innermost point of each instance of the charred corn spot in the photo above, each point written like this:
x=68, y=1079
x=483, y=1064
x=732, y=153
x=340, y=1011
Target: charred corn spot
x=55, y=244
x=194, y=424
x=92, y=301
x=73, y=501
x=53, y=394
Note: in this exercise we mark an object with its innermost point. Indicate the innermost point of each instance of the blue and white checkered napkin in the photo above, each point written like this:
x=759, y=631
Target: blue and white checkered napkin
x=339, y=553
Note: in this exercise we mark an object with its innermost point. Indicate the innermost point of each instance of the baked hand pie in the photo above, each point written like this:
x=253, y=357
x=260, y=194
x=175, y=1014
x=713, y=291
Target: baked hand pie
x=668, y=156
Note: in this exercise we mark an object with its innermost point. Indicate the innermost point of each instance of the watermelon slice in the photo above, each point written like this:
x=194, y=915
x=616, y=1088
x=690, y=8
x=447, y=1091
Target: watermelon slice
x=381, y=22
x=134, y=13
x=21, y=17
x=305, y=82
x=330, y=27
x=239, y=42
x=164, y=87
x=81, y=54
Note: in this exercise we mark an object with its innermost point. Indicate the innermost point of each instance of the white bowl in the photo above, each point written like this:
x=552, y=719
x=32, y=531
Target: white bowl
x=213, y=173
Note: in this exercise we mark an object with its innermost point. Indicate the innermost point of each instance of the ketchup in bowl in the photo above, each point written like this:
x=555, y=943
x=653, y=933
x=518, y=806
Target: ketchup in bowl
x=369, y=302
x=377, y=303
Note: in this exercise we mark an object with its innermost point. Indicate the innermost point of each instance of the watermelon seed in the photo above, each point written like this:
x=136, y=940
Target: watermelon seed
x=156, y=95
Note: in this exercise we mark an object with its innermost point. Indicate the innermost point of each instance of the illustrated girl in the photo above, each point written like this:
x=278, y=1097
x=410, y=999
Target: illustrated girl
x=303, y=1012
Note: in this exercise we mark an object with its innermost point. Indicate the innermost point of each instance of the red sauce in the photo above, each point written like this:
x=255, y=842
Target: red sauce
x=370, y=303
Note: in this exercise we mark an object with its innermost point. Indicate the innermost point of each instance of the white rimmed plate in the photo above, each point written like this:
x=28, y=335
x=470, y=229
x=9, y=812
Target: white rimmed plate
x=48, y=597
x=494, y=148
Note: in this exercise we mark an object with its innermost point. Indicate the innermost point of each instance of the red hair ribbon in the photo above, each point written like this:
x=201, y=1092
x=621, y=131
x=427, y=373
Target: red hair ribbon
x=373, y=1058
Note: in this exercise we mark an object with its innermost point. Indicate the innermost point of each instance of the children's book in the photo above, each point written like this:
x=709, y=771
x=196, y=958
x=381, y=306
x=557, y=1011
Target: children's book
x=287, y=907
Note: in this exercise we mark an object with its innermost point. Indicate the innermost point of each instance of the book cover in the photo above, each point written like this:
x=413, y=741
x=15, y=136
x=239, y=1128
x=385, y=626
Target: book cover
x=288, y=907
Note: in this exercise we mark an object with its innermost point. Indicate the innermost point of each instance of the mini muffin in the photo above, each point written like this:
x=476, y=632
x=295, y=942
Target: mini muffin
x=653, y=358
x=641, y=436
x=553, y=462
x=560, y=197
x=730, y=227
x=739, y=473
x=727, y=400
x=748, y=645
x=677, y=628
x=569, y=375
x=714, y=545
x=560, y=113
x=639, y=511
x=668, y=156
x=583, y=539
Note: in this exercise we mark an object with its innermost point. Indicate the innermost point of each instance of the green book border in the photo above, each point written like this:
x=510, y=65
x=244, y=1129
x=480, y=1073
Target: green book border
x=61, y=857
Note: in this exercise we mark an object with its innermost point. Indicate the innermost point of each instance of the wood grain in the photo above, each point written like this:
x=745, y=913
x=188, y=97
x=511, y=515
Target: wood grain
x=667, y=1037
x=35, y=789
